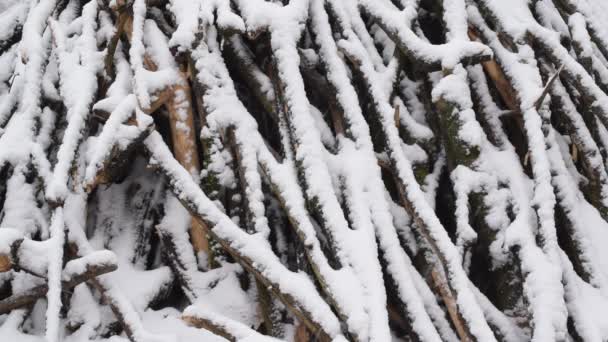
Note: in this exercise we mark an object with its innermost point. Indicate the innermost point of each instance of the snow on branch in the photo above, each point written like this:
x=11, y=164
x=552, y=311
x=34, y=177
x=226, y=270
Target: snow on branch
x=263, y=170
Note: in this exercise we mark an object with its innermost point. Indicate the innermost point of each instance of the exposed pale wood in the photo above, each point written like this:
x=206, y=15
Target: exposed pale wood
x=5, y=263
x=248, y=264
x=221, y=330
x=301, y=334
x=178, y=101
x=183, y=133
x=208, y=325
x=9, y=261
x=452, y=307
x=503, y=85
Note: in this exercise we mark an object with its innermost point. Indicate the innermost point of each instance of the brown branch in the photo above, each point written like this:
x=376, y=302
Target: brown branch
x=8, y=261
x=421, y=60
x=232, y=331
x=175, y=182
x=114, y=165
x=266, y=305
x=210, y=326
x=183, y=133
x=241, y=59
x=451, y=306
x=301, y=334
x=159, y=99
x=439, y=264
x=491, y=67
x=539, y=102
x=5, y=263
x=32, y=295
x=178, y=102
x=111, y=49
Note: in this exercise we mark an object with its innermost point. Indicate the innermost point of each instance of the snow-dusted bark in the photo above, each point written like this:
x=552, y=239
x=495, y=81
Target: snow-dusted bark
x=350, y=170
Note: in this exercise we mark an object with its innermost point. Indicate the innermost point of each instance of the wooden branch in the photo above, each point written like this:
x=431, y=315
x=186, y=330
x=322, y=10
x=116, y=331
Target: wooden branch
x=159, y=99
x=221, y=326
x=113, y=165
x=11, y=40
x=180, y=267
x=423, y=225
x=301, y=334
x=179, y=106
x=178, y=102
x=116, y=308
x=437, y=268
x=570, y=7
x=32, y=295
x=547, y=88
x=451, y=306
x=397, y=116
x=242, y=60
x=265, y=303
x=120, y=306
x=111, y=49
x=183, y=133
x=491, y=67
x=250, y=266
x=5, y=263
x=176, y=182
x=209, y=325
x=8, y=260
x=328, y=94
x=22, y=299
x=418, y=54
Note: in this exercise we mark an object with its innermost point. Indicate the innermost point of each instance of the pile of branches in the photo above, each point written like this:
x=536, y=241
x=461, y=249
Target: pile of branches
x=304, y=170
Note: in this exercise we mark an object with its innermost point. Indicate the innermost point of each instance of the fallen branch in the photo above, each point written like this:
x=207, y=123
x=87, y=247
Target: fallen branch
x=223, y=230
x=547, y=88
x=77, y=271
x=222, y=326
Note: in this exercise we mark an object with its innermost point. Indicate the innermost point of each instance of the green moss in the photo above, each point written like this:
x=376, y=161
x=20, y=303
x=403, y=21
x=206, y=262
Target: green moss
x=420, y=172
x=458, y=151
